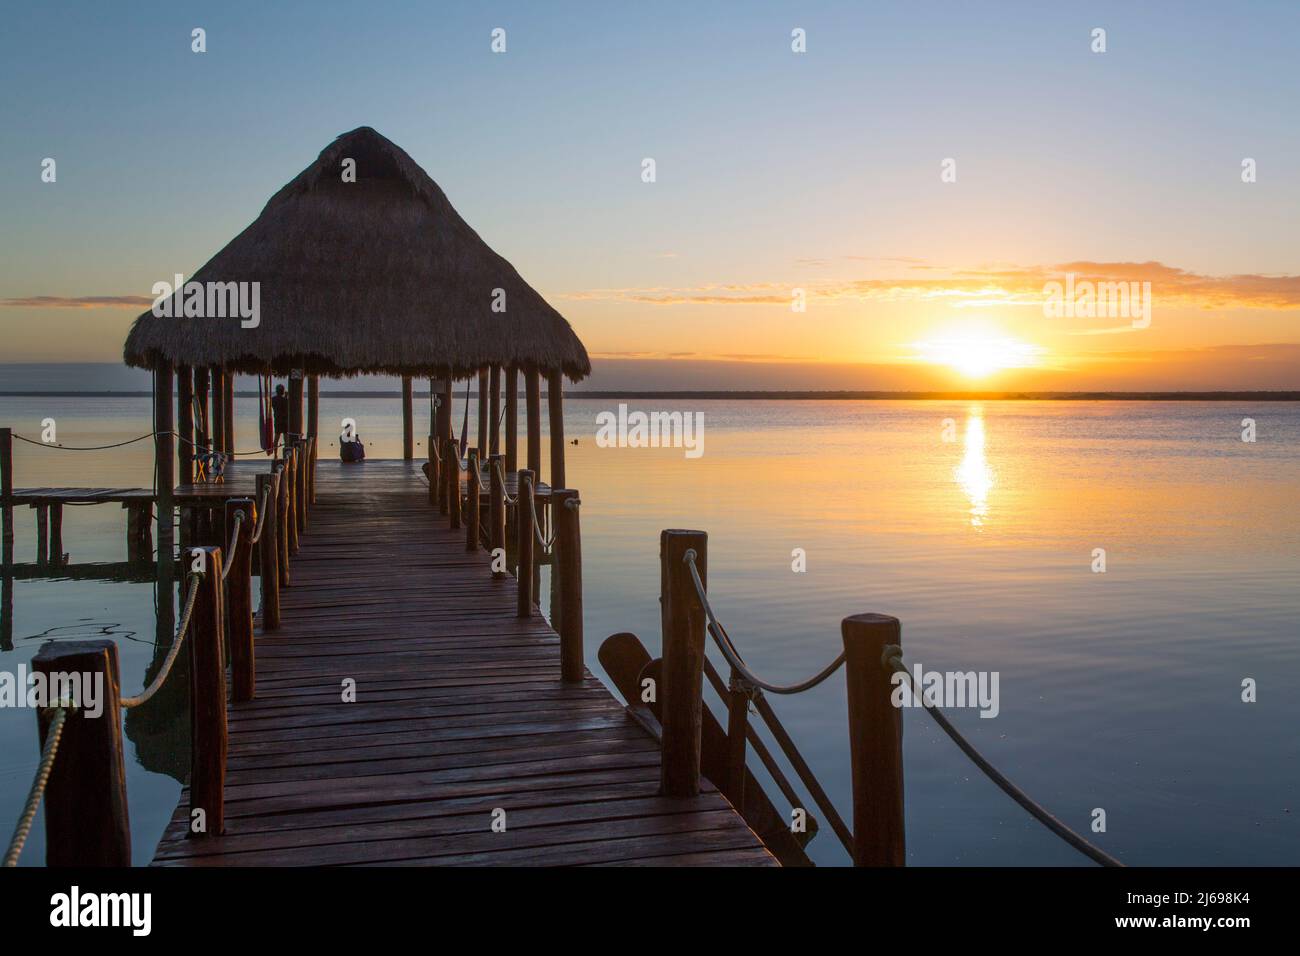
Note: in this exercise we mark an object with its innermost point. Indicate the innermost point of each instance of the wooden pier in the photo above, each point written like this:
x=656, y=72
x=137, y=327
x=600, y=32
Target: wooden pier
x=460, y=717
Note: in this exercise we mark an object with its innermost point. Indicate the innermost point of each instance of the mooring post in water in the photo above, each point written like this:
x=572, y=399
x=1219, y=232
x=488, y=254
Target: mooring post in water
x=282, y=517
x=239, y=609
x=56, y=533
x=86, y=821
x=451, y=482
x=269, y=551
x=473, y=489
x=207, y=700
x=42, y=535
x=568, y=568
x=7, y=494
x=526, y=528
x=683, y=660
x=496, y=509
x=875, y=741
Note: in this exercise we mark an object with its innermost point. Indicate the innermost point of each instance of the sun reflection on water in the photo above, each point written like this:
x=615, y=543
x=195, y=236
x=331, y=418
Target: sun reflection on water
x=974, y=474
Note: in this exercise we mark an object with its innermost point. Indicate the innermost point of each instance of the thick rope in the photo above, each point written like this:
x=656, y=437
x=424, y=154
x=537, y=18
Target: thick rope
x=721, y=638
x=261, y=513
x=546, y=544
x=52, y=737
x=43, y=444
x=181, y=631
x=892, y=659
x=234, y=540
x=500, y=469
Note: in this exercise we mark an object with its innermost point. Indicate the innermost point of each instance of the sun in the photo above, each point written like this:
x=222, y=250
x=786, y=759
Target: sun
x=977, y=356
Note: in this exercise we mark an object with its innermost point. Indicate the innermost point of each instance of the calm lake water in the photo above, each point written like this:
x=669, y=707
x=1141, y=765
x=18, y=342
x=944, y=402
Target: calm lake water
x=1119, y=690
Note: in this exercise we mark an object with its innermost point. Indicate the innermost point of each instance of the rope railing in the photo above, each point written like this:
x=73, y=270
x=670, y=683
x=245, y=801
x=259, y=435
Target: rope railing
x=750, y=683
x=261, y=514
x=723, y=640
x=546, y=544
x=58, y=447
x=892, y=660
x=161, y=677
x=501, y=473
x=234, y=540
x=43, y=770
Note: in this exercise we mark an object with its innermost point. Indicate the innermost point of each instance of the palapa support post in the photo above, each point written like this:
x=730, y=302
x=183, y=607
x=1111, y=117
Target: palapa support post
x=482, y=410
x=295, y=403
x=165, y=459
x=185, y=424
x=437, y=485
x=451, y=482
x=282, y=515
x=533, y=400
x=239, y=609
x=473, y=491
x=875, y=741
x=568, y=569
x=444, y=429
x=202, y=425
x=683, y=660
x=208, y=699
x=512, y=419
x=496, y=510
x=526, y=536
x=86, y=818
x=313, y=406
x=494, y=410
x=408, y=422
x=269, y=551
x=555, y=404
x=218, y=409
x=228, y=397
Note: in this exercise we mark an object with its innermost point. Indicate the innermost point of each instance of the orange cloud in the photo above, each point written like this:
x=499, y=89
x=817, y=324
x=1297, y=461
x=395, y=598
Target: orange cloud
x=79, y=302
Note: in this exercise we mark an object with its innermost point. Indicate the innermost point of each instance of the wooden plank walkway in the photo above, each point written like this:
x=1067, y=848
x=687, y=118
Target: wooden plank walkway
x=459, y=711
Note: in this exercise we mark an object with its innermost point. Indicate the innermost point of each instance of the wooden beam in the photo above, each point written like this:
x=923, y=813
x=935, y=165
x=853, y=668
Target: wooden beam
x=512, y=419
x=533, y=397
x=555, y=404
x=185, y=424
x=408, y=423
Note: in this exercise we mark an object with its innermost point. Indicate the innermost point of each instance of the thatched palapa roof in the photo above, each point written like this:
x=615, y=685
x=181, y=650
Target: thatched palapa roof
x=380, y=275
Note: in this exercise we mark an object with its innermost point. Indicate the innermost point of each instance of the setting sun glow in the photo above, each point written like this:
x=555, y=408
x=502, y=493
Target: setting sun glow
x=978, y=356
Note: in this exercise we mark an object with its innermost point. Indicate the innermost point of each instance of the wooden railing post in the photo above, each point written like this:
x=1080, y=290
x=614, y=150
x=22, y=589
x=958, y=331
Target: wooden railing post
x=239, y=609
x=269, y=551
x=473, y=490
x=683, y=660
x=295, y=525
x=300, y=467
x=451, y=481
x=86, y=820
x=496, y=509
x=568, y=568
x=524, y=544
x=311, y=470
x=208, y=700
x=737, y=729
x=875, y=741
x=282, y=517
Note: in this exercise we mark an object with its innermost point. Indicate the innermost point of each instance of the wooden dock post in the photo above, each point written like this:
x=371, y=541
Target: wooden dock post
x=165, y=459
x=472, y=493
x=451, y=483
x=408, y=422
x=218, y=409
x=875, y=741
x=185, y=424
x=300, y=468
x=208, y=700
x=683, y=660
x=228, y=398
x=295, y=403
x=239, y=609
x=494, y=410
x=512, y=419
x=269, y=551
x=282, y=514
x=313, y=406
x=496, y=509
x=56, y=534
x=295, y=526
x=43, y=535
x=437, y=483
x=526, y=529
x=6, y=494
x=86, y=819
x=555, y=422
x=568, y=569
x=533, y=400
x=482, y=410
x=737, y=731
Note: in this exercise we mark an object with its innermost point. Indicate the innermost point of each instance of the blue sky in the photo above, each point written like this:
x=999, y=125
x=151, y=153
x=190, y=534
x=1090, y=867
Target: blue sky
x=774, y=169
